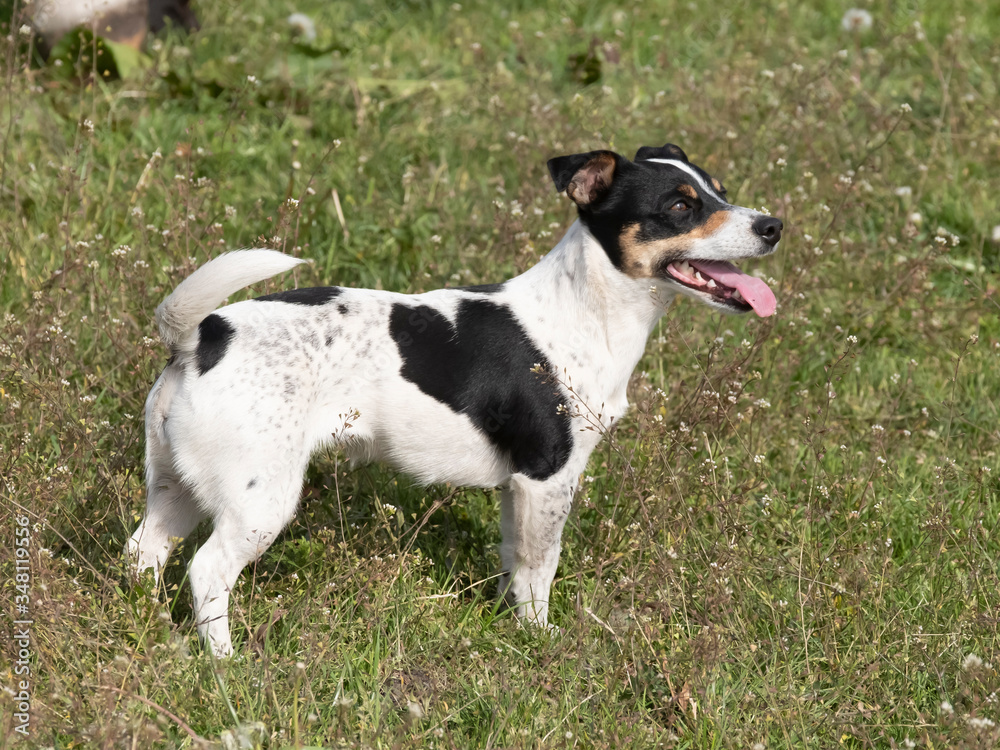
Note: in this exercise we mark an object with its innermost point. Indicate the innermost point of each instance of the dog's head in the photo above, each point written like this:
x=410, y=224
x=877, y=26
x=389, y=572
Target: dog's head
x=661, y=217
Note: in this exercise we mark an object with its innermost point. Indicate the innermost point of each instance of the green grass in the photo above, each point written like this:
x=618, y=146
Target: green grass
x=791, y=541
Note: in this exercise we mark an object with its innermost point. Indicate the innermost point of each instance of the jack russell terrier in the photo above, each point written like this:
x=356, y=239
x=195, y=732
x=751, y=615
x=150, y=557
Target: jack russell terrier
x=477, y=386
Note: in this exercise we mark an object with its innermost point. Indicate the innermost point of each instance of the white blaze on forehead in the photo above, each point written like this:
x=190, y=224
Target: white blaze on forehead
x=698, y=178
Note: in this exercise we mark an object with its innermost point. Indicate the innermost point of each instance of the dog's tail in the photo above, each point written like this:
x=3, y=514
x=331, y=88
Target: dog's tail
x=204, y=290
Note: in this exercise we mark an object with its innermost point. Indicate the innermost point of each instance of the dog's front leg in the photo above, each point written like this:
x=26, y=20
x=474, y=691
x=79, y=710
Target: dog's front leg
x=532, y=516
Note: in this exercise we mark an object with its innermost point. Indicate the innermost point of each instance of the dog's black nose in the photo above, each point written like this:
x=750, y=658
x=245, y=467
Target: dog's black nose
x=769, y=229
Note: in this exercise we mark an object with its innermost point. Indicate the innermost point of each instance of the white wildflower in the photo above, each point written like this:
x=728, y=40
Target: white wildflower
x=980, y=722
x=856, y=20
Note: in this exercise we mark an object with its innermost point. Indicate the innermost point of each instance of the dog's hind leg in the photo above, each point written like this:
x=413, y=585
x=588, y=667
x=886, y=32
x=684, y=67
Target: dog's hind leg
x=532, y=516
x=244, y=529
x=171, y=510
x=171, y=514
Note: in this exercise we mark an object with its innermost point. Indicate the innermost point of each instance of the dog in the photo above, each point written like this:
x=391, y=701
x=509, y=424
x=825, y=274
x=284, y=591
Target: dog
x=509, y=384
x=122, y=21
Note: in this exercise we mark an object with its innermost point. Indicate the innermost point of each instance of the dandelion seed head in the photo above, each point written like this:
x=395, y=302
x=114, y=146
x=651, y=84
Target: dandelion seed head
x=856, y=21
x=971, y=661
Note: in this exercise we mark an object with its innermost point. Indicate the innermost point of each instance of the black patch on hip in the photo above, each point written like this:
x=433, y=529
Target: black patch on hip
x=317, y=295
x=214, y=335
x=481, y=367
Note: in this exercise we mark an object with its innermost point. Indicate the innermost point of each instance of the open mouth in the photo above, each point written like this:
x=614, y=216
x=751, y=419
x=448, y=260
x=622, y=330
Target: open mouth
x=726, y=284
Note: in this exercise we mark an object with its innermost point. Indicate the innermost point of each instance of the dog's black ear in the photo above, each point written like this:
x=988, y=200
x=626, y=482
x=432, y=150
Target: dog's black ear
x=585, y=177
x=669, y=151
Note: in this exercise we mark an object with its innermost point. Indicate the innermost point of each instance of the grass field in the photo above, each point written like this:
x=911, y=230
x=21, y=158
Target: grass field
x=791, y=541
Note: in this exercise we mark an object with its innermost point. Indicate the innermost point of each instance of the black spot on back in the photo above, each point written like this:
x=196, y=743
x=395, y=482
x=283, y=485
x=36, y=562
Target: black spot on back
x=317, y=295
x=481, y=367
x=252, y=483
x=482, y=288
x=214, y=335
x=342, y=309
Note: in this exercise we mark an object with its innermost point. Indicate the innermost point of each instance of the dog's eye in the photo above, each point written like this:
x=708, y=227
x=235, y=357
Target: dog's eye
x=680, y=205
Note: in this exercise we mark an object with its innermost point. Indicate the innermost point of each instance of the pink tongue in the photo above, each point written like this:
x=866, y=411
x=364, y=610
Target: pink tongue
x=754, y=291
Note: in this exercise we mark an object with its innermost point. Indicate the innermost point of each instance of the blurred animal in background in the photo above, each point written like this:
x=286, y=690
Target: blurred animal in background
x=121, y=21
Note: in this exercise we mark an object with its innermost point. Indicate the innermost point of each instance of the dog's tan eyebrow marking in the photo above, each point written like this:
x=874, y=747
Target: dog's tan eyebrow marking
x=717, y=185
x=689, y=191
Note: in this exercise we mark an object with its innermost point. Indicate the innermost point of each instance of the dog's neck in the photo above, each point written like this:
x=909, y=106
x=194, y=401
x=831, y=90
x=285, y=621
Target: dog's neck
x=592, y=319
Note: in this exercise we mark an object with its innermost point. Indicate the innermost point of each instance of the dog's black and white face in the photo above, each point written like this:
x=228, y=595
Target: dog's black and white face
x=661, y=217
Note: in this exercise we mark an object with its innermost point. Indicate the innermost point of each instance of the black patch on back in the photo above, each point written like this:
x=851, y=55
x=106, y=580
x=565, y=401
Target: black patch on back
x=214, y=335
x=482, y=288
x=481, y=367
x=342, y=309
x=317, y=295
